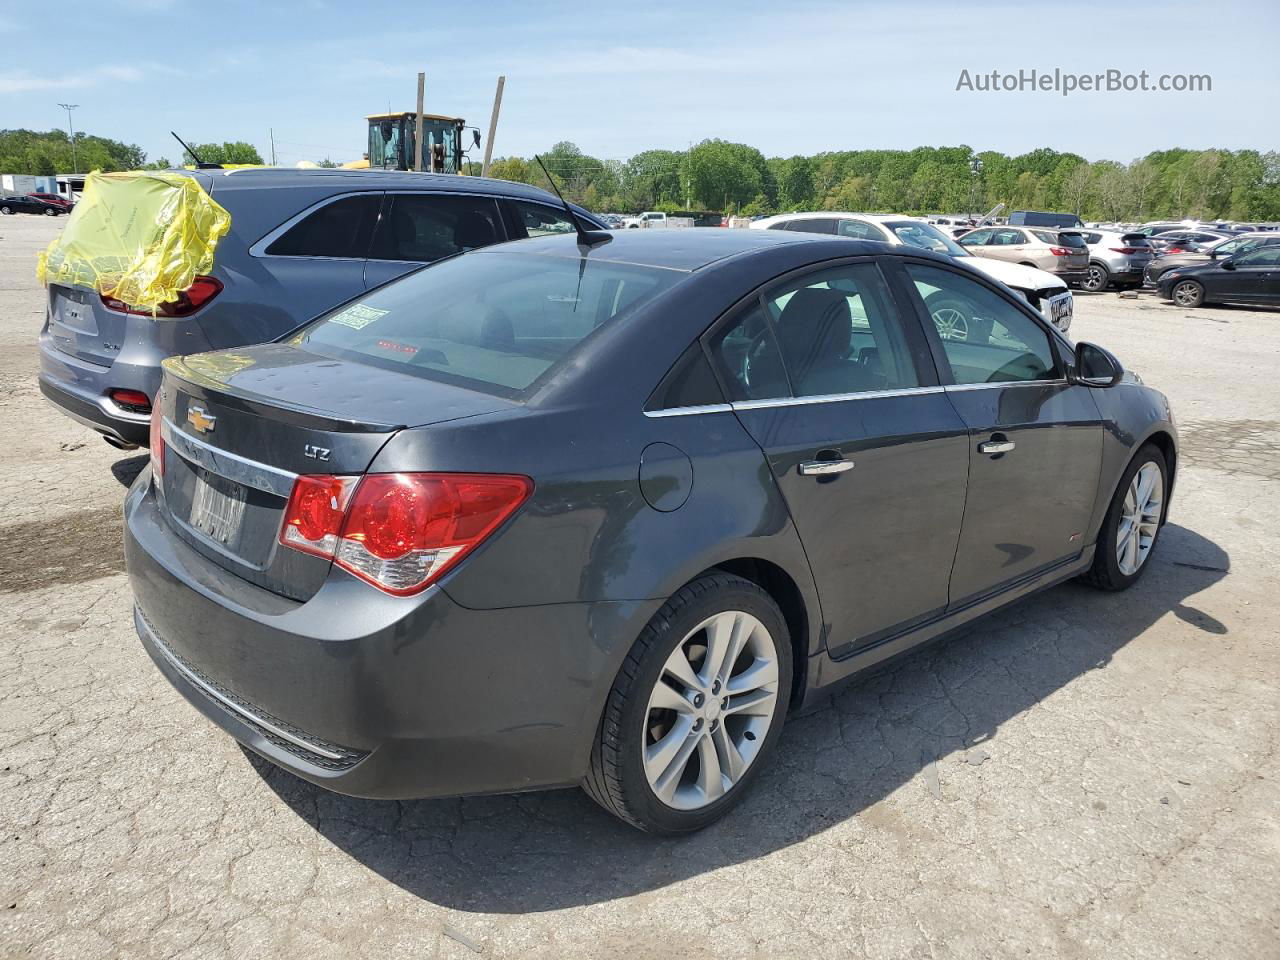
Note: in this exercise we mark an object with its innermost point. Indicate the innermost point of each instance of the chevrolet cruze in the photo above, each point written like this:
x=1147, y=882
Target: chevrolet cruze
x=604, y=512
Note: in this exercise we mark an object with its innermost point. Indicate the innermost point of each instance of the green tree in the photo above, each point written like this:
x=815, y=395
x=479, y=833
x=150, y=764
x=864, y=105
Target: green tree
x=229, y=151
x=725, y=175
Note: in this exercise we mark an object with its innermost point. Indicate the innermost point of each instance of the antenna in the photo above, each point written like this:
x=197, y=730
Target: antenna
x=586, y=238
x=200, y=164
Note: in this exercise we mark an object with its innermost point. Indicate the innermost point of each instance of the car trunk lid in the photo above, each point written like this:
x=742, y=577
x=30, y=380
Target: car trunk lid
x=240, y=426
x=81, y=326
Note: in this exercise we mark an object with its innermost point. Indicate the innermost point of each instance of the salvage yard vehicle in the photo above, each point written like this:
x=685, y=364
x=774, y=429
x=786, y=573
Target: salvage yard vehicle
x=299, y=242
x=1115, y=259
x=656, y=219
x=1229, y=247
x=1060, y=252
x=605, y=509
x=30, y=204
x=1250, y=277
x=1044, y=291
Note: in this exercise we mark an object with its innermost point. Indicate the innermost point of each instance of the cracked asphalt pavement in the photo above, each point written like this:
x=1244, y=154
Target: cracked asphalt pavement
x=1081, y=775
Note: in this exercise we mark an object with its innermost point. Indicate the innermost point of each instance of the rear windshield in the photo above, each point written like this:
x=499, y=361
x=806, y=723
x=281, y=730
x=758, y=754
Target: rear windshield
x=489, y=320
x=918, y=234
x=1062, y=239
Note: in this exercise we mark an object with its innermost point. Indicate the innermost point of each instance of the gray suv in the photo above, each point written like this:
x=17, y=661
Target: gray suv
x=301, y=241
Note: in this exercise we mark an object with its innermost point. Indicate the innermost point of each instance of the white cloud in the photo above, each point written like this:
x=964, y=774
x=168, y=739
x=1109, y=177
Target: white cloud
x=24, y=81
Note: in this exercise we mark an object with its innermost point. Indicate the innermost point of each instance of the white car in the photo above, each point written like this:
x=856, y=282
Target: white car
x=1047, y=293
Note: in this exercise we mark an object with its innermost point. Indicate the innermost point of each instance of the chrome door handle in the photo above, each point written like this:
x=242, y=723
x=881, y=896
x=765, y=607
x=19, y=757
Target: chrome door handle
x=996, y=446
x=824, y=468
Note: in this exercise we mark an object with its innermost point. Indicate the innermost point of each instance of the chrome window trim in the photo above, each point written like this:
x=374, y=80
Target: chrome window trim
x=690, y=411
x=956, y=387
x=234, y=467
x=231, y=706
x=833, y=398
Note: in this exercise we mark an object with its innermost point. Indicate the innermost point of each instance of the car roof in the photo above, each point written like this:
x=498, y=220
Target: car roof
x=267, y=177
x=691, y=249
x=836, y=215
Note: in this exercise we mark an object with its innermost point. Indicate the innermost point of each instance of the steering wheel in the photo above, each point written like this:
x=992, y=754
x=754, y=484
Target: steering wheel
x=749, y=355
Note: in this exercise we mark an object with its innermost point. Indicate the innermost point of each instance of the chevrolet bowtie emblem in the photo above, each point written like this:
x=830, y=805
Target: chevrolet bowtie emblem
x=202, y=421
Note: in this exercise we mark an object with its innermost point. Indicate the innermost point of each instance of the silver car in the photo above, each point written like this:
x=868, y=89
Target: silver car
x=1115, y=259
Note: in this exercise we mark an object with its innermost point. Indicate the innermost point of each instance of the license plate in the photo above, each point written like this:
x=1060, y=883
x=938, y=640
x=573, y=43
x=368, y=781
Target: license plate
x=1060, y=312
x=217, y=507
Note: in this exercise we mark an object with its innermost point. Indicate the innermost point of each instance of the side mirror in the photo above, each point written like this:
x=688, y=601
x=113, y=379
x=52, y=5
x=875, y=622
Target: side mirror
x=1096, y=367
x=1228, y=264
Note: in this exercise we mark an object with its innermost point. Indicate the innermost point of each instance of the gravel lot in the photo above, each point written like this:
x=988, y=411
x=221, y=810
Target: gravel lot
x=1083, y=775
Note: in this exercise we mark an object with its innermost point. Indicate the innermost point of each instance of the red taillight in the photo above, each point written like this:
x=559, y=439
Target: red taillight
x=1127, y=250
x=156, y=443
x=1176, y=250
x=200, y=292
x=135, y=401
x=1061, y=251
x=399, y=531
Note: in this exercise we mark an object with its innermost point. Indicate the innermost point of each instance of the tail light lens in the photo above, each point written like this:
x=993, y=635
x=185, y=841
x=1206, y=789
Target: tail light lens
x=156, y=443
x=399, y=531
x=1061, y=251
x=200, y=292
x=1175, y=250
x=135, y=401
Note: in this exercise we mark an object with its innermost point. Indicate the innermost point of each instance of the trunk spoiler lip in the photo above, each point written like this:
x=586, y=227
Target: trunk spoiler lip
x=207, y=388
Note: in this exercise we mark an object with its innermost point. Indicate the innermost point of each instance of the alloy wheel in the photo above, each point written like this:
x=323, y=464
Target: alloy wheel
x=710, y=710
x=1186, y=294
x=1139, y=519
x=1096, y=279
x=951, y=323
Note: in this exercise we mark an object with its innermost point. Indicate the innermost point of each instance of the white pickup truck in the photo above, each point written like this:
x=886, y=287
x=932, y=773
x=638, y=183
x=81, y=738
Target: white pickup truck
x=655, y=218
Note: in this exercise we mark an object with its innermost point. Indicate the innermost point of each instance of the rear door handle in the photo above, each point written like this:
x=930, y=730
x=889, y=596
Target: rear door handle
x=824, y=468
x=996, y=446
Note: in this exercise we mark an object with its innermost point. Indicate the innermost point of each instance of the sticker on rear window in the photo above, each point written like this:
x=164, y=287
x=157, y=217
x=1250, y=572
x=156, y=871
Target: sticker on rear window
x=358, y=316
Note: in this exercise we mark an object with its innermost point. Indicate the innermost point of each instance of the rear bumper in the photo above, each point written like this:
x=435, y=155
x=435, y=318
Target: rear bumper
x=79, y=389
x=372, y=695
x=98, y=413
x=1071, y=275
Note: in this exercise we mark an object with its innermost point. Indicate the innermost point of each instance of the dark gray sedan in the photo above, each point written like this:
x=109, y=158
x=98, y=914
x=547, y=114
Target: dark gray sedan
x=549, y=514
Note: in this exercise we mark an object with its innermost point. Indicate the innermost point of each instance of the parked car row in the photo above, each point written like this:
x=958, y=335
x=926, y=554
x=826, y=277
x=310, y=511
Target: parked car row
x=33, y=203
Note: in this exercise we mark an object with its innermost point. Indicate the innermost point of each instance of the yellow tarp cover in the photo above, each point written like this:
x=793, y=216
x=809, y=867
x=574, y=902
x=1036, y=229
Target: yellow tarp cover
x=140, y=237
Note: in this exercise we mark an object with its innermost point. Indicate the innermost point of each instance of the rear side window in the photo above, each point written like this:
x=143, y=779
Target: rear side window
x=813, y=225
x=340, y=229
x=985, y=338
x=496, y=321
x=831, y=332
x=539, y=220
x=423, y=227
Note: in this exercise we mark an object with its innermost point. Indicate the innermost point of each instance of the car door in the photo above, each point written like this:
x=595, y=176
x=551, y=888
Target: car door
x=317, y=257
x=1036, y=440
x=1253, y=276
x=838, y=388
x=418, y=228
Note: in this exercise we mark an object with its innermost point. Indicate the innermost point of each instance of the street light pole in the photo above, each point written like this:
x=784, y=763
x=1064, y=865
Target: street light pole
x=75, y=165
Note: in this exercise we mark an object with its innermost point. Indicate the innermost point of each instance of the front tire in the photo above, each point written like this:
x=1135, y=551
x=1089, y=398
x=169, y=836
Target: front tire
x=1096, y=279
x=5, y=211
x=1187, y=293
x=1133, y=522
x=696, y=709
x=50, y=212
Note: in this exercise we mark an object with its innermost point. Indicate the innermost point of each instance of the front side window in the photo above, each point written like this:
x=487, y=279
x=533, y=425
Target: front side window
x=1008, y=238
x=834, y=331
x=1266, y=257
x=976, y=238
x=424, y=227
x=339, y=229
x=917, y=234
x=985, y=338
x=540, y=220
x=496, y=320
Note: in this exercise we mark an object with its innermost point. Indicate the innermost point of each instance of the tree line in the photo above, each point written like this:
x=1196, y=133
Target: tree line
x=716, y=175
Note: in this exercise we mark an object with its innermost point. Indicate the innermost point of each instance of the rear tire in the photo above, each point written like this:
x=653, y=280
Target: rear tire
x=1187, y=293
x=1096, y=279
x=1132, y=520
x=637, y=772
x=6, y=211
x=50, y=212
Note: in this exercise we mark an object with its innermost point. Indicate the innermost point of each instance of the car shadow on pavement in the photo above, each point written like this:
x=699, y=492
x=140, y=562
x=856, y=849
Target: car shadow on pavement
x=552, y=850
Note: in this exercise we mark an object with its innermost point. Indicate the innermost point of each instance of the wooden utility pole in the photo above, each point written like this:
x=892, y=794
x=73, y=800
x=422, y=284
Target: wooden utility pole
x=493, y=127
x=417, y=131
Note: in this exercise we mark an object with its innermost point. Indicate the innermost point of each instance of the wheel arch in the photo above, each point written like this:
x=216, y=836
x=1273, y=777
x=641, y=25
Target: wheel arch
x=1164, y=442
x=786, y=593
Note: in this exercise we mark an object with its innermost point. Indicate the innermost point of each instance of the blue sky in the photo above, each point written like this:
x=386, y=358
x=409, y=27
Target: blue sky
x=619, y=78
